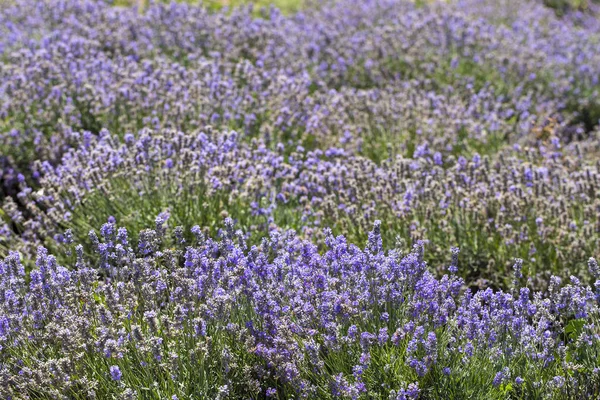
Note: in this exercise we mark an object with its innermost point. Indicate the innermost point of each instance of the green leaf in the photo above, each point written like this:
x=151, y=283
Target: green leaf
x=507, y=388
x=574, y=328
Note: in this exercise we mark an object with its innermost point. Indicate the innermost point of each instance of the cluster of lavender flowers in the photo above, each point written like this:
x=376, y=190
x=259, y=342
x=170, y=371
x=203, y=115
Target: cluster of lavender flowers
x=377, y=73
x=467, y=124
x=213, y=318
x=537, y=202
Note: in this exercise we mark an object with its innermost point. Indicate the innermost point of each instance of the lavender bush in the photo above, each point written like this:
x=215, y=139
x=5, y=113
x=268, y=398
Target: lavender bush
x=90, y=66
x=538, y=202
x=214, y=318
x=374, y=199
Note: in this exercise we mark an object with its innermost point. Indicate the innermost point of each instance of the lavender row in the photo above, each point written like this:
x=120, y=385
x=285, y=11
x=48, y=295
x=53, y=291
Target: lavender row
x=125, y=95
x=433, y=75
x=215, y=318
x=536, y=201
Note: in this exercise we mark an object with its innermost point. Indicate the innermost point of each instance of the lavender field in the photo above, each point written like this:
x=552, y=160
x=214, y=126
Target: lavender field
x=338, y=199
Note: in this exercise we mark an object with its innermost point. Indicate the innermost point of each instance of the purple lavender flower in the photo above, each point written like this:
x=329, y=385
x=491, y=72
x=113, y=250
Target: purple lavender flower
x=519, y=381
x=115, y=373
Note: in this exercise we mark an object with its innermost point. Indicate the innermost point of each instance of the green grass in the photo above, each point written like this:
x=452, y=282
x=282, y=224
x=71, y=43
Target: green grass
x=563, y=6
x=286, y=6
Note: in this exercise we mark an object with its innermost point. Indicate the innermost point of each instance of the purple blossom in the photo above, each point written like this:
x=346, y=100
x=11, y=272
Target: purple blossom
x=115, y=373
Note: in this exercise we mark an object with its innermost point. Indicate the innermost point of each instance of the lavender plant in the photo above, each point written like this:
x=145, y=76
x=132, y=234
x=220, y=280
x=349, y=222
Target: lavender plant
x=537, y=202
x=128, y=135
x=214, y=318
x=91, y=66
